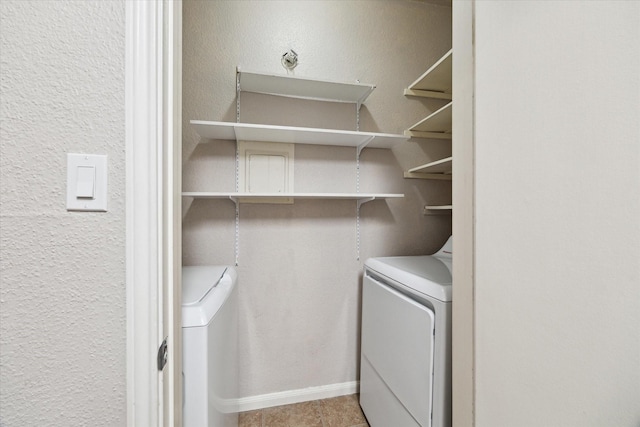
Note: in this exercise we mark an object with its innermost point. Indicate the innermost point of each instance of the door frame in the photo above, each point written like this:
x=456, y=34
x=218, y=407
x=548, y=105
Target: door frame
x=153, y=68
x=153, y=58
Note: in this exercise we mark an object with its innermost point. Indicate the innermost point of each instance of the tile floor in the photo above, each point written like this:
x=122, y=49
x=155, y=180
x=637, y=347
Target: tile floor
x=343, y=411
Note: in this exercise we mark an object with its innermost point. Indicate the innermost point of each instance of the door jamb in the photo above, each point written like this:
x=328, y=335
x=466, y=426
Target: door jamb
x=463, y=217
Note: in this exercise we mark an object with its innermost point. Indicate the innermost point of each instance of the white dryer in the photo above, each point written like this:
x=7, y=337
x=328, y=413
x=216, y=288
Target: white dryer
x=405, y=365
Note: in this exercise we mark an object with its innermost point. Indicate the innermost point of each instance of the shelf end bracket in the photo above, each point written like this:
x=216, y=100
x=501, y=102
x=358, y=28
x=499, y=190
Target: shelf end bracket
x=364, y=200
x=359, y=203
x=364, y=144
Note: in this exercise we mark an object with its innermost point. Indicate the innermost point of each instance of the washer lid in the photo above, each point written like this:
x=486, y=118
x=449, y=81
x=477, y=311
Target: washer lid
x=204, y=290
x=197, y=281
x=425, y=274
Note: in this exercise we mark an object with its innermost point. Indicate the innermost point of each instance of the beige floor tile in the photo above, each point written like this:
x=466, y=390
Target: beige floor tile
x=250, y=419
x=305, y=414
x=343, y=411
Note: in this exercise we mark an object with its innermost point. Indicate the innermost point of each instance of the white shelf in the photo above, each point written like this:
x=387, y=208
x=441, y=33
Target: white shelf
x=440, y=169
x=437, y=125
x=305, y=88
x=235, y=196
x=434, y=210
x=294, y=135
x=435, y=82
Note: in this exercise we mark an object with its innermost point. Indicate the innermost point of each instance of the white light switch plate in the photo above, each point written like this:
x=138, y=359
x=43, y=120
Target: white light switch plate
x=86, y=182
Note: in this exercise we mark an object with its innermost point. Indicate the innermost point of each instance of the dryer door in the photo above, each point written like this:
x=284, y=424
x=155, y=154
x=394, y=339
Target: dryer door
x=397, y=343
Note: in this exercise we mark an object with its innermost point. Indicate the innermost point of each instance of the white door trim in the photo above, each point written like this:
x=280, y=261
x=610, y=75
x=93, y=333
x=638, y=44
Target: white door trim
x=152, y=111
x=143, y=211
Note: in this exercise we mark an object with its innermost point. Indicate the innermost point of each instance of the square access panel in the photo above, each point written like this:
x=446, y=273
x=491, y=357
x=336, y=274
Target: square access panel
x=265, y=167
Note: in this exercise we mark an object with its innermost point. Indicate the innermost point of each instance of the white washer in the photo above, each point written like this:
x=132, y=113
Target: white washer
x=210, y=346
x=405, y=365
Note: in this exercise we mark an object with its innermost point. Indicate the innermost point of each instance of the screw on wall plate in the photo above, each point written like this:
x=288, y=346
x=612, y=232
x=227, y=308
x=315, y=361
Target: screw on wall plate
x=290, y=59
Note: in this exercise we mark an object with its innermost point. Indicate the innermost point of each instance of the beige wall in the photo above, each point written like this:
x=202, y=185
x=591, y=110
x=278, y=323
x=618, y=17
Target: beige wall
x=299, y=276
x=62, y=275
x=557, y=242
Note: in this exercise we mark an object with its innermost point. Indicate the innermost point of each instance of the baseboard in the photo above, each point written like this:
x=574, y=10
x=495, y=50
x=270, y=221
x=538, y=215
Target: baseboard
x=251, y=403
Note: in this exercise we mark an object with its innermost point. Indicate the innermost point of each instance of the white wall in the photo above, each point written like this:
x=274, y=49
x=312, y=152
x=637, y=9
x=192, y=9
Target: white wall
x=299, y=277
x=62, y=275
x=557, y=157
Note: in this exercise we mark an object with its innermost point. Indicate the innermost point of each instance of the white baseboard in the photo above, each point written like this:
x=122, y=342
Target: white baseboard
x=251, y=403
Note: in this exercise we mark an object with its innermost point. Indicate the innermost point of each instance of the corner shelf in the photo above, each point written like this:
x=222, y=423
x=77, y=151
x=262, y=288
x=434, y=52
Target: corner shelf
x=294, y=135
x=435, y=82
x=440, y=169
x=437, y=125
x=305, y=88
x=439, y=209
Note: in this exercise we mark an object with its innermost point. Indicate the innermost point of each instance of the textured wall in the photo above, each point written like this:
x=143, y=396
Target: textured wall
x=62, y=288
x=300, y=279
x=557, y=213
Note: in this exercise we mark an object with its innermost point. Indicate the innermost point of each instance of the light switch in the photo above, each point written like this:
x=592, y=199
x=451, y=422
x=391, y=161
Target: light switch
x=86, y=182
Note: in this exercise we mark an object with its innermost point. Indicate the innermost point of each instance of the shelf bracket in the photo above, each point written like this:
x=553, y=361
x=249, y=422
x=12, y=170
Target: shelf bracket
x=359, y=149
x=364, y=200
x=235, y=200
x=237, y=96
x=363, y=97
x=359, y=203
x=364, y=144
x=236, y=246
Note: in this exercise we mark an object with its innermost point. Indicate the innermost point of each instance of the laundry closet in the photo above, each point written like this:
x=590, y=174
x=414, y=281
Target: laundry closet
x=300, y=259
